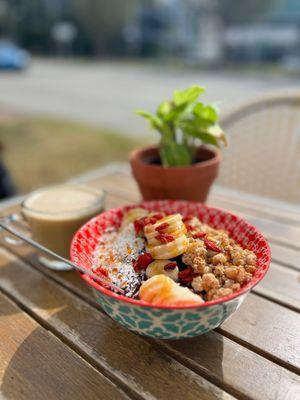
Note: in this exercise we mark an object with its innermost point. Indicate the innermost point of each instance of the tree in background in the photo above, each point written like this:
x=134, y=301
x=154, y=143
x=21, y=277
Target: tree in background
x=28, y=22
x=100, y=24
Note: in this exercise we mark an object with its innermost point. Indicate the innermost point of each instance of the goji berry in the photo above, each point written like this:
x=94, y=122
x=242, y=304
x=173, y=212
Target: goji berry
x=199, y=235
x=189, y=228
x=158, y=216
x=161, y=227
x=101, y=271
x=170, y=266
x=138, y=226
x=212, y=246
x=185, y=273
x=165, y=238
x=188, y=279
x=142, y=262
x=149, y=220
x=187, y=218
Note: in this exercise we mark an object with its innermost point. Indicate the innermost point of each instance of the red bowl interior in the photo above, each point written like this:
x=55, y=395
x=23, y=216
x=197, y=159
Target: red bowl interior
x=86, y=239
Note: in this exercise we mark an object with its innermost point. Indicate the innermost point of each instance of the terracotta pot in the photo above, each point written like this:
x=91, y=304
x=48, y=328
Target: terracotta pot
x=183, y=183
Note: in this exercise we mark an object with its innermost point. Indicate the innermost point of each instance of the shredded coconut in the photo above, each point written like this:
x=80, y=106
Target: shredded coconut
x=116, y=252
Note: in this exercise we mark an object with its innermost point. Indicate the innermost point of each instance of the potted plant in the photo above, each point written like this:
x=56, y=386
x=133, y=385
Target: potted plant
x=186, y=161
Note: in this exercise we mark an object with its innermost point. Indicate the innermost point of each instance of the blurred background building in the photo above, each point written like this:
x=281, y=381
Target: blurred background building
x=194, y=31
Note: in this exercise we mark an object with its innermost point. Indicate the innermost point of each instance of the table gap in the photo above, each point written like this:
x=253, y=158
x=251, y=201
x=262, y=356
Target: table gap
x=263, y=294
x=240, y=205
x=258, y=351
x=193, y=366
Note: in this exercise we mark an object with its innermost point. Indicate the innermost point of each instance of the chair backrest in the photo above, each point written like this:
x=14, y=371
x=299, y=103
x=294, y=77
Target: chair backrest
x=263, y=156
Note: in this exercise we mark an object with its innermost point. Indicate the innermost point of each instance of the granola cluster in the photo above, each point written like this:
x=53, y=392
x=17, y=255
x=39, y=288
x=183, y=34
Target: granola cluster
x=220, y=266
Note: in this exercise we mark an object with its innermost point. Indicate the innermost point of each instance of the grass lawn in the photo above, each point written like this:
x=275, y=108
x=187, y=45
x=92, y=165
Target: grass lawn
x=41, y=151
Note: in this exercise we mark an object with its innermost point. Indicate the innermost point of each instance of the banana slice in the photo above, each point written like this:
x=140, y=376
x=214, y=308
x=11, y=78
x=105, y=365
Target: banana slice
x=152, y=237
x=169, y=250
x=157, y=268
x=133, y=215
x=171, y=225
x=173, y=221
x=155, y=213
x=162, y=290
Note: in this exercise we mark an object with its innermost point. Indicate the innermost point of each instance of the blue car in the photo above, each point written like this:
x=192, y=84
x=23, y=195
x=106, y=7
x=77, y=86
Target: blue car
x=12, y=56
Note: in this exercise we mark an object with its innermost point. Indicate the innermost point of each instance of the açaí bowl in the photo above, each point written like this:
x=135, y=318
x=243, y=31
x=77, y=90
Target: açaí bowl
x=170, y=322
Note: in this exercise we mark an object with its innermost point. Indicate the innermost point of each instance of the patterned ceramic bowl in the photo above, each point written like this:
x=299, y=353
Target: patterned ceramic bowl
x=171, y=322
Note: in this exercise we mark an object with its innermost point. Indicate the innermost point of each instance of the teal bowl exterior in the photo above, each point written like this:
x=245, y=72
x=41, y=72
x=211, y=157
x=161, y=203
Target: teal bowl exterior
x=164, y=323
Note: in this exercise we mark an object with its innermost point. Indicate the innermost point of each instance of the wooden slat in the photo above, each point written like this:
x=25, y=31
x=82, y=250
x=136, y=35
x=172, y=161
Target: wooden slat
x=285, y=256
x=267, y=327
x=122, y=180
x=263, y=382
x=124, y=356
x=36, y=365
x=212, y=349
x=276, y=231
x=233, y=201
x=10, y=202
x=281, y=285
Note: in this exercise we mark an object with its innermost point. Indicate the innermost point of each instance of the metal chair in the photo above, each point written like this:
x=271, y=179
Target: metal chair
x=263, y=156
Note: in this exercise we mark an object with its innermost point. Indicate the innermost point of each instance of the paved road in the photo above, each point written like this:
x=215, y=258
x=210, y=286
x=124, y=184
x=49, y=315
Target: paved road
x=107, y=93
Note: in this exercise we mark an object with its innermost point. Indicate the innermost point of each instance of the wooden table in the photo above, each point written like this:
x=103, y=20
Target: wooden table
x=56, y=343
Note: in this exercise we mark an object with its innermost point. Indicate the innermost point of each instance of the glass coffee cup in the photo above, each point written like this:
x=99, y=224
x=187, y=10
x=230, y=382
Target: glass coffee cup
x=54, y=214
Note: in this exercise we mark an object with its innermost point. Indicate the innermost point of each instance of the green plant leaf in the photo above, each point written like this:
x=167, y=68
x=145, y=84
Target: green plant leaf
x=208, y=139
x=164, y=109
x=154, y=120
x=206, y=112
x=204, y=130
x=205, y=137
x=187, y=96
x=191, y=129
x=218, y=133
x=174, y=155
x=169, y=112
